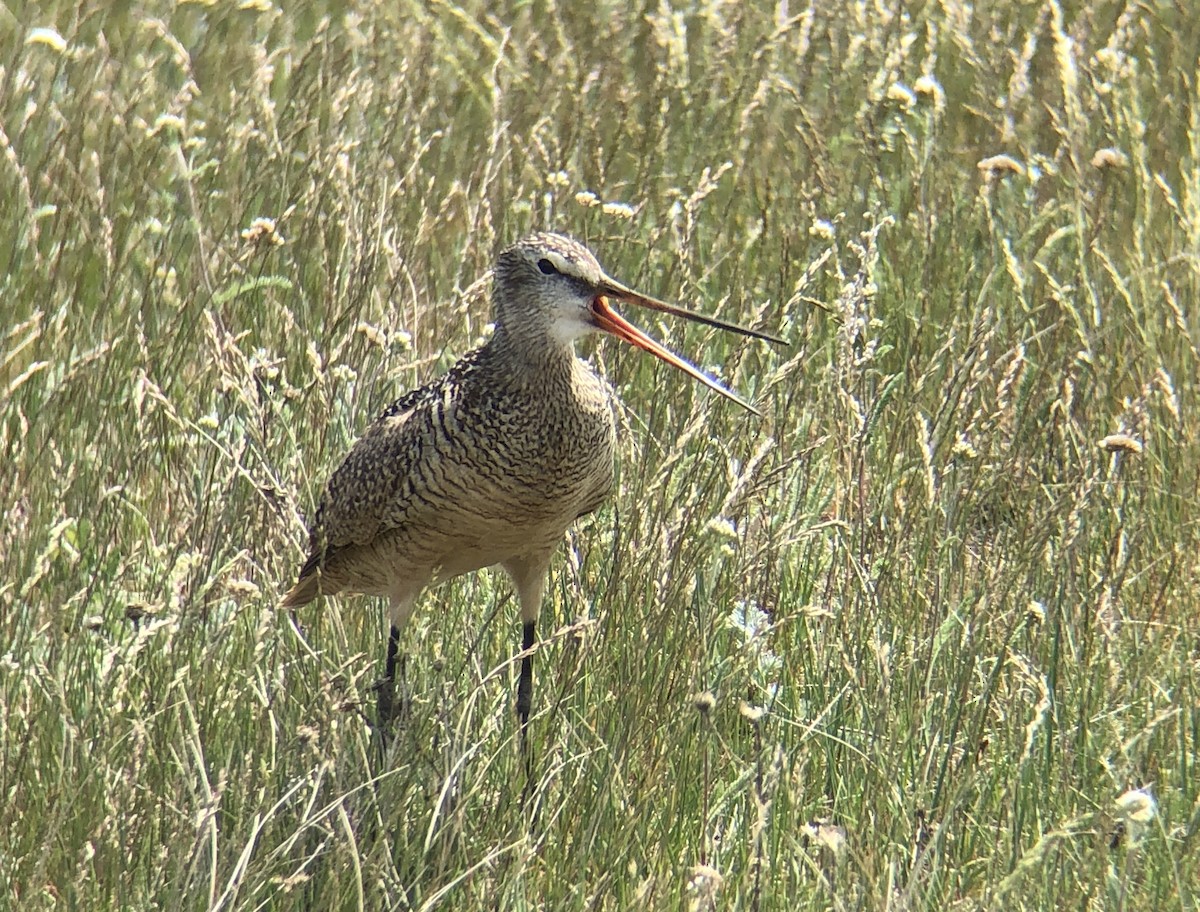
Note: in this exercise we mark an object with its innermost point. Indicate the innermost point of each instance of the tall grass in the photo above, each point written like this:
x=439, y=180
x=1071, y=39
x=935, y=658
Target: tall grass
x=915, y=639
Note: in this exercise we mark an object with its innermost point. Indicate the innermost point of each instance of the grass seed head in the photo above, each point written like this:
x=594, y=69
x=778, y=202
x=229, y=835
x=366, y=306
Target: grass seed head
x=46, y=37
x=619, y=210
x=170, y=124
x=1109, y=157
x=752, y=714
x=1121, y=443
x=292, y=882
x=372, y=333
x=262, y=233
x=995, y=166
x=901, y=95
x=927, y=87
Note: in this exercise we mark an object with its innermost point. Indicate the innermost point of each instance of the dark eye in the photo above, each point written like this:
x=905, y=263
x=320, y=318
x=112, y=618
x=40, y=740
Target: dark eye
x=547, y=267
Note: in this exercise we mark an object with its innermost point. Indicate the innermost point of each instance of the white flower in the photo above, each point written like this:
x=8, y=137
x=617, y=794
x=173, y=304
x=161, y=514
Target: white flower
x=821, y=228
x=722, y=527
x=703, y=886
x=827, y=835
x=1137, y=809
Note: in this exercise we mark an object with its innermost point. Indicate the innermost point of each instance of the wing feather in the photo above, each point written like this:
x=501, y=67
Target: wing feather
x=372, y=491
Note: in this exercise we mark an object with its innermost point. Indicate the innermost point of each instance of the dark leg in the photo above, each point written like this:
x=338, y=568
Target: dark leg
x=524, y=702
x=528, y=574
x=393, y=648
x=388, y=708
x=525, y=683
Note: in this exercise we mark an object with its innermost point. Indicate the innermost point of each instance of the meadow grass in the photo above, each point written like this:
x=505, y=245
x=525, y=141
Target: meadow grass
x=916, y=639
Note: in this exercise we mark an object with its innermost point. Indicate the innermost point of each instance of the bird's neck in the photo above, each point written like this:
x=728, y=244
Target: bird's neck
x=551, y=380
x=540, y=357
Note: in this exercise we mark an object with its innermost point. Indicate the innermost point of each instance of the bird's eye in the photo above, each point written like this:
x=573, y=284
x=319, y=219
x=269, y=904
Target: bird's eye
x=547, y=267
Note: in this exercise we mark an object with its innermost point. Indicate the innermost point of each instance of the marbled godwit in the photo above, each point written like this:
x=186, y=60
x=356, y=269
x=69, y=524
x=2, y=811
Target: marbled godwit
x=490, y=463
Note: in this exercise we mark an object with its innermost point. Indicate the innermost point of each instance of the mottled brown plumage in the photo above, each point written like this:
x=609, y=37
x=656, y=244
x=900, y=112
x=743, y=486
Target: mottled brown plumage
x=489, y=464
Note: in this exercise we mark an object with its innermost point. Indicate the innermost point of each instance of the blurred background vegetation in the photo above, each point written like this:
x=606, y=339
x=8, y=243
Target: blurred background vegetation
x=924, y=636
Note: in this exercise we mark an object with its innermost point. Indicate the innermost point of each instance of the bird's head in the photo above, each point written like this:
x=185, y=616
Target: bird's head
x=550, y=290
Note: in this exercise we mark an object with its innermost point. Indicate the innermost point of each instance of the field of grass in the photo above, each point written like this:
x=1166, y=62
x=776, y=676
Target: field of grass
x=924, y=636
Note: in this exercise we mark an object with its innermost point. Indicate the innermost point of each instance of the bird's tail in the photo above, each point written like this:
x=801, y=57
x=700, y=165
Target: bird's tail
x=314, y=580
x=306, y=589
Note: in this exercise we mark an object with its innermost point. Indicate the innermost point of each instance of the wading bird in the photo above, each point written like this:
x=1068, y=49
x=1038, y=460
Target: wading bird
x=489, y=464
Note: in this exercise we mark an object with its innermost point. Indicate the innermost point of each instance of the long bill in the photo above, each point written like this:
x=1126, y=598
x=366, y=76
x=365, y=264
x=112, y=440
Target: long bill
x=612, y=322
x=614, y=289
